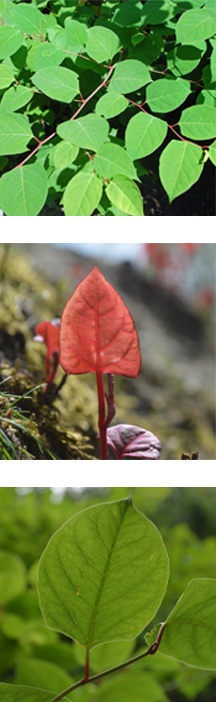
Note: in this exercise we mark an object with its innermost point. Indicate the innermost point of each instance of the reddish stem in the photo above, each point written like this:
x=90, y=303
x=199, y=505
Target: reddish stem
x=110, y=400
x=73, y=117
x=87, y=661
x=101, y=416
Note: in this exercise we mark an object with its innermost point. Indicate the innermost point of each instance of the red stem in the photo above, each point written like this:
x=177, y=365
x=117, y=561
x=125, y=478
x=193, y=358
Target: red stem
x=87, y=661
x=101, y=416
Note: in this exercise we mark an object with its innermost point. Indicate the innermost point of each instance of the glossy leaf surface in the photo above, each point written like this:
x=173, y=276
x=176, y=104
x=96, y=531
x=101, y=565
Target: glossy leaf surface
x=194, y=25
x=57, y=82
x=130, y=441
x=190, y=630
x=212, y=152
x=165, y=95
x=6, y=76
x=125, y=194
x=102, y=44
x=97, y=332
x=111, y=104
x=82, y=195
x=129, y=76
x=27, y=18
x=10, y=40
x=181, y=165
x=15, y=133
x=144, y=134
x=103, y=574
x=76, y=34
x=198, y=122
x=87, y=132
x=64, y=154
x=47, y=55
x=15, y=98
x=112, y=159
x=23, y=191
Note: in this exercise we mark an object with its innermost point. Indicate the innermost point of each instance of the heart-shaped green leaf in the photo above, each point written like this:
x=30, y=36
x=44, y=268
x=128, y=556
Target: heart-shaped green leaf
x=103, y=575
x=190, y=630
x=82, y=195
x=181, y=164
x=124, y=193
x=57, y=82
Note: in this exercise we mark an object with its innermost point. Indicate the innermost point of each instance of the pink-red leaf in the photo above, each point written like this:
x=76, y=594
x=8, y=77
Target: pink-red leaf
x=97, y=332
x=127, y=440
x=48, y=333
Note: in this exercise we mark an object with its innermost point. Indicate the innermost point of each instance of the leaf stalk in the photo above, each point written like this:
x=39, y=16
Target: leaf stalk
x=98, y=676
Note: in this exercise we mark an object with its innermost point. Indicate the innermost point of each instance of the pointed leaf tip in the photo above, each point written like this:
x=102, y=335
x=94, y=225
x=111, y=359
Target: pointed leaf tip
x=97, y=332
x=103, y=574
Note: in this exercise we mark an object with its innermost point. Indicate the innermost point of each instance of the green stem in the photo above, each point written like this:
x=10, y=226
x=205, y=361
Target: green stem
x=93, y=678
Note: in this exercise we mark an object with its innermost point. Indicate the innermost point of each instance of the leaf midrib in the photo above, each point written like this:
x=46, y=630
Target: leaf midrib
x=103, y=581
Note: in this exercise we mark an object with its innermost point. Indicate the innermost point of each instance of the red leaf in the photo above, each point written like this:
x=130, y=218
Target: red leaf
x=127, y=441
x=48, y=333
x=97, y=332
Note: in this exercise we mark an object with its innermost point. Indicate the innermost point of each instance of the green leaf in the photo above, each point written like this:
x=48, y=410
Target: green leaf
x=57, y=82
x=102, y=44
x=23, y=191
x=137, y=686
x=165, y=95
x=112, y=159
x=87, y=132
x=210, y=7
x=14, y=98
x=149, y=49
x=125, y=195
x=82, y=195
x=15, y=132
x=190, y=630
x=111, y=104
x=144, y=133
x=103, y=574
x=129, y=14
x=27, y=18
x=157, y=11
x=64, y=154
x=212, y=152
x=207, y=97
x=76, y=34
x=47, y=675
x=18, y=693
x=6, y=76
x=184, y=59
x=194, y=25
x=106, y=655
x=181, y=165
x=10, y=40
x=198, y=122
x=129, y=75
x=47, y=55
x=213, y=63
x=12, y=575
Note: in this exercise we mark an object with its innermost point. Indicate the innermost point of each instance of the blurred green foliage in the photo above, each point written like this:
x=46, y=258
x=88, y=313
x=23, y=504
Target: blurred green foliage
x=31, y=654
